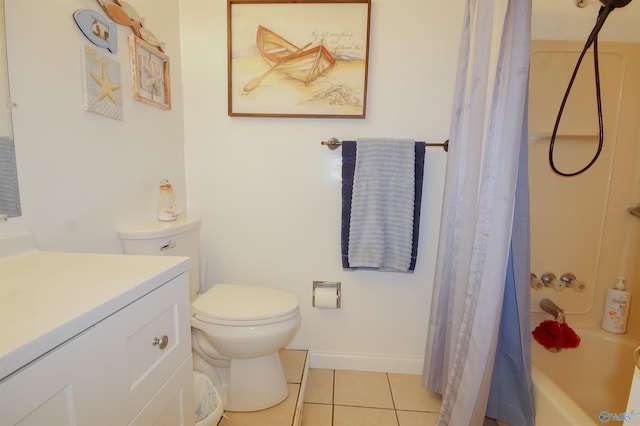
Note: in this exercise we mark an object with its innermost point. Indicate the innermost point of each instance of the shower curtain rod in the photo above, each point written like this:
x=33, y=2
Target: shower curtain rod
x=334, y=143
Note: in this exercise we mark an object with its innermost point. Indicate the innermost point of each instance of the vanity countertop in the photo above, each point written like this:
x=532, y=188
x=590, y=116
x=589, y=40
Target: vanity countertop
x=47, y=298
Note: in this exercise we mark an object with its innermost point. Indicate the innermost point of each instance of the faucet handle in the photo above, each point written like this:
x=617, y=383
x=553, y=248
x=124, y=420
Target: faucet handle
x=536, y=283
x=570, y=281
x=549, y=279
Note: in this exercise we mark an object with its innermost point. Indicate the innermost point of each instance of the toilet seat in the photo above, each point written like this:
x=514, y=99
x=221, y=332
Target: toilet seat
x=244, y=305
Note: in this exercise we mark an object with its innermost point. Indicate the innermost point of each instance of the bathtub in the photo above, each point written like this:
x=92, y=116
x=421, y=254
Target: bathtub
x=574, y=386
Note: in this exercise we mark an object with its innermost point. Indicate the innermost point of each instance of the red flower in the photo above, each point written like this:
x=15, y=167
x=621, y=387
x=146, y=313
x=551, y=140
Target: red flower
x=552, y=334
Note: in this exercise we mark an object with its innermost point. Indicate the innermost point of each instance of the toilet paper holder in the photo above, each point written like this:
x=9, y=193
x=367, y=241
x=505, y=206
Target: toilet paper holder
x=333, y=287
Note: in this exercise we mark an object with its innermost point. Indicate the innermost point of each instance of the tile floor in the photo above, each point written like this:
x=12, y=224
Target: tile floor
x=320, y=397
x=344, y=398
x=363, y=398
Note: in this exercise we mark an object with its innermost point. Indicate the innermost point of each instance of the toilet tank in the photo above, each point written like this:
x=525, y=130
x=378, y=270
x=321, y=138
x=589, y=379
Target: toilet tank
x=179, y=237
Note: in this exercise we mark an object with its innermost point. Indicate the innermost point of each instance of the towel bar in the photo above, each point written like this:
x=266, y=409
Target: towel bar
x=334, y=143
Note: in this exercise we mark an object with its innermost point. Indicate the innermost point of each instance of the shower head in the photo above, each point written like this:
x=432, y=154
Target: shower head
x=605, y=10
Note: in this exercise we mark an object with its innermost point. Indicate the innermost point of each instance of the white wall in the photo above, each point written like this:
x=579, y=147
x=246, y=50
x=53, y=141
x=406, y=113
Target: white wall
x=82, y=176
x=5, y=122
x=269, y=194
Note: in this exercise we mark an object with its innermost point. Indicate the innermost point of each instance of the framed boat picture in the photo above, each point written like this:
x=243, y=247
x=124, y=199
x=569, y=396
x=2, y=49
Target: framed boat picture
x=298, y=58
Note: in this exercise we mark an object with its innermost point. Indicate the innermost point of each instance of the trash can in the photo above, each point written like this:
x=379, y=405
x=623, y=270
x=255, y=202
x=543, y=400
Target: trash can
x=208, y=407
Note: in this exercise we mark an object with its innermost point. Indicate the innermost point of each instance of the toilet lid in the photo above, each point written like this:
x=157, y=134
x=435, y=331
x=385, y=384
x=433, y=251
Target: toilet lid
x=232, y=302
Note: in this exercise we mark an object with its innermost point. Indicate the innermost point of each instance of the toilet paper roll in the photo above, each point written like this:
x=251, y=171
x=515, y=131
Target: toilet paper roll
x=326, y=297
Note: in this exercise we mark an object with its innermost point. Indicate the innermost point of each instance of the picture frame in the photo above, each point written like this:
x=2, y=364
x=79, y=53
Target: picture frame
x=149, y=73
x=101, y=84
x=298, y=58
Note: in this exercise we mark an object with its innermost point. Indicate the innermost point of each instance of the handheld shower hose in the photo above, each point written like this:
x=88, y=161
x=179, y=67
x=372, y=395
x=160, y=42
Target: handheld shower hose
x=606, y=8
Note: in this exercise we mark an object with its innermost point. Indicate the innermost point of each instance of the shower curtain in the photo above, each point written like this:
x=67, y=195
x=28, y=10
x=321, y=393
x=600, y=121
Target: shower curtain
x=477, y=353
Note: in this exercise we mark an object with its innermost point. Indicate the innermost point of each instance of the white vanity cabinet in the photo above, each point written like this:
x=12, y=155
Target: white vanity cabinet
x=132, y=366
x=58, y=389
x=144, y=345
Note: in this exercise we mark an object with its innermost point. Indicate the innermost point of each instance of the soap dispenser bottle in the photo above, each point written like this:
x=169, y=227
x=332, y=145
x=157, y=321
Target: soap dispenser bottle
x=167, y=209
x=616, y=308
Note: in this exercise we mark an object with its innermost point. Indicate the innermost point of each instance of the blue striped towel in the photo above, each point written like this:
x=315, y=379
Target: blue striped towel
x=381, y=196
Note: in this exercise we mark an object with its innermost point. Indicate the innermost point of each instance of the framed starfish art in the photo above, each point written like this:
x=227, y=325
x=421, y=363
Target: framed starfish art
x=150, y=73
x=102, y=82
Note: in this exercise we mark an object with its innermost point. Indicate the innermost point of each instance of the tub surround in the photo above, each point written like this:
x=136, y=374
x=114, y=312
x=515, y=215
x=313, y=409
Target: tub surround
x=573, y=386
x=602, y=241
x=553, y=405
x=46, y=298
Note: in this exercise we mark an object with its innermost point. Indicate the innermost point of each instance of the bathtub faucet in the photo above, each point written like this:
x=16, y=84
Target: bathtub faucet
x=548, y=306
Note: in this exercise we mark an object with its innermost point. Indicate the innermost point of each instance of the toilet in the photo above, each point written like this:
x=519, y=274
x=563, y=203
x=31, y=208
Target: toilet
x=236, y=330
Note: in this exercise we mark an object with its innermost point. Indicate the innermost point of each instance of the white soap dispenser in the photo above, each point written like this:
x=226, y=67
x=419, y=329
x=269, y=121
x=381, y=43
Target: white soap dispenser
x=616, y=308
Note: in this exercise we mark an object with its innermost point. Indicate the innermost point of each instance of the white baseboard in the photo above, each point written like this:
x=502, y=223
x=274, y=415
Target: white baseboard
x=364, y=362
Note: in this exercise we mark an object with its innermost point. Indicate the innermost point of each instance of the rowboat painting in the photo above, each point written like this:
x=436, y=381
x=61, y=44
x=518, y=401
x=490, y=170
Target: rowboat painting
x=301, y=64
x=297, y=70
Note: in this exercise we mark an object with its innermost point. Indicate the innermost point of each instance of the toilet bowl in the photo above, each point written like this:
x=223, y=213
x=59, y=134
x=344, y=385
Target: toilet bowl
x=237, y=329
x=246, y=325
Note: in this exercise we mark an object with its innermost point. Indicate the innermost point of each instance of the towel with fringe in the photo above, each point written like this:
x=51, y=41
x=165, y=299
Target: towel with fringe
x=381, y=198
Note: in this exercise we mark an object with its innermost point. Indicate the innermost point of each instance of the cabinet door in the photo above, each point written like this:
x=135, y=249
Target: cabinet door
x=173, y=405
x=60, y=388
x=146, y=343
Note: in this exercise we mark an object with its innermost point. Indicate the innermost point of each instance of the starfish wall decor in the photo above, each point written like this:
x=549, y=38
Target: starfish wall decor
x=102, y=83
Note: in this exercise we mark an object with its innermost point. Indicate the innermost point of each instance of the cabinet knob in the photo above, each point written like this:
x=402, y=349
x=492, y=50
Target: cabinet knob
x=161, y=342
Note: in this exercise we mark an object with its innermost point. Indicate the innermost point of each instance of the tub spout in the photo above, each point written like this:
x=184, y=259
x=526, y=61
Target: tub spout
x=548, y=306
